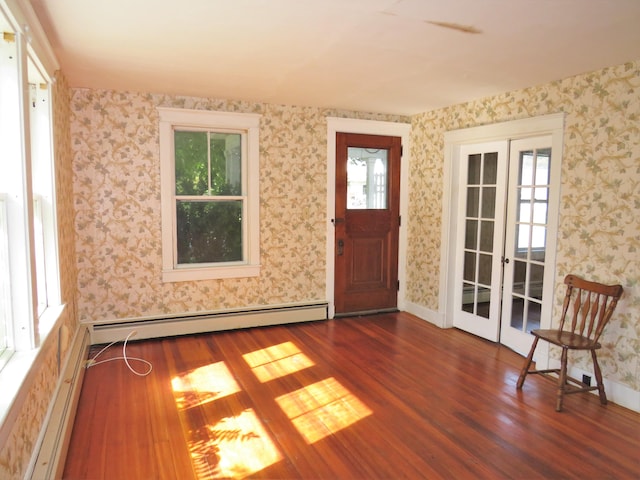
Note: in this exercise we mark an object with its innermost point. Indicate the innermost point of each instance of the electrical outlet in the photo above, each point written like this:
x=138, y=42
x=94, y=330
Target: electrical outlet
x=586, y=379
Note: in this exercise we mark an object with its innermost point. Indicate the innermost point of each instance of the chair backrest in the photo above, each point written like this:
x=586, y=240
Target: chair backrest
x=592, y=306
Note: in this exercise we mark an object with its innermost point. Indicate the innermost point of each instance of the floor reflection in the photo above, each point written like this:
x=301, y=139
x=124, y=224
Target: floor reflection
x=277, y=361
x=203, y=385
x=234, y=447
x=228, y=440
x=322, y=409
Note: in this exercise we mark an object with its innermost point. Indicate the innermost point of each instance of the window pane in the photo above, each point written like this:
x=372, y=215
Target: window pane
x=367, y=178
x=522, y=240
x=473, y=201
x=519, y=277
x=469, y=266
x=209, y=232
x=486, y=236
x=226, y=164
x=471, y=235
x=484, y=269
x=191, y=163
x=473, y=174
x=490, y=175
x=542, y=166
x=468, y=297
x=540, y=213
x=489, y=202
x=526, y=168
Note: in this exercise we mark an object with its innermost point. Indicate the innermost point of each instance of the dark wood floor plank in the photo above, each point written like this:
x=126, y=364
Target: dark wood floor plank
x=428, y=403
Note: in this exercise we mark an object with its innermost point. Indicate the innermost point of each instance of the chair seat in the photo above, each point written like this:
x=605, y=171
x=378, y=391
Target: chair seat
x=566, y=339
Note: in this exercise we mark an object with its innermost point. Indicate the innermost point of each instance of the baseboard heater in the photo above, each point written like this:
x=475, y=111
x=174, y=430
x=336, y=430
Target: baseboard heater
x=50, y=452
x=211, y=321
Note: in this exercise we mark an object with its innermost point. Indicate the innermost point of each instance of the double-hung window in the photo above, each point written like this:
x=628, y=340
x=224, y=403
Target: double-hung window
x=209, y=181
x=29, y=273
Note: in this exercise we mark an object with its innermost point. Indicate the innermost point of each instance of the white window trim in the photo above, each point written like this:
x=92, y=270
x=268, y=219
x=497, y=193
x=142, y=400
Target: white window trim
x=171, y=118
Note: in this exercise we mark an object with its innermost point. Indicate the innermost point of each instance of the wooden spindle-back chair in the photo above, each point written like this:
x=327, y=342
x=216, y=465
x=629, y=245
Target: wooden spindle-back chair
x=591, y=305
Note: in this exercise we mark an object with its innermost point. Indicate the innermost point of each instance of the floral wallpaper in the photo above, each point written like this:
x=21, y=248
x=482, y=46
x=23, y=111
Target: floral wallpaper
x=599, y=225
x=109, y=211
x=117, y=207
x=16, y=453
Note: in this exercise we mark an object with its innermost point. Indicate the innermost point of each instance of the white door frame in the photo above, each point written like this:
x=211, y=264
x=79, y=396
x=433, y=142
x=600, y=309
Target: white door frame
x=367, y=127
x=537, y=126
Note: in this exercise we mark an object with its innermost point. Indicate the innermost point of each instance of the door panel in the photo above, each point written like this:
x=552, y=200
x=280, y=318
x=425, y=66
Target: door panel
x=483, y=176
x=366, y=222
x=526, y=242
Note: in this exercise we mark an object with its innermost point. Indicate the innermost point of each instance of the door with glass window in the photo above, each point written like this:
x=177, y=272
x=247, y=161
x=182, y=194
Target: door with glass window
x=503, y=283
x=483, y=176
x=367, y=222
x=530, y=233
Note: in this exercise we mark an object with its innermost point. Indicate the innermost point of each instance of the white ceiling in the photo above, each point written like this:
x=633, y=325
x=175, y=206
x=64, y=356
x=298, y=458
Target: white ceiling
x=387, y=56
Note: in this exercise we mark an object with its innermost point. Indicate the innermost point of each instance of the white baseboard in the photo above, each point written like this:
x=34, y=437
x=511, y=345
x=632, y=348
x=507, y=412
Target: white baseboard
x=51, y=448
x=616, y=392
x=427, y=314
x=211, y=321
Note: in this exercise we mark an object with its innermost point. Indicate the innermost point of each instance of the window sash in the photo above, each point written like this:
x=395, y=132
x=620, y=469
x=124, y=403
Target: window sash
x=180, y=120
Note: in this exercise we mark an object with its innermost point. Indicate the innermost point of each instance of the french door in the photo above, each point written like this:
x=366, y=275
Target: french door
x=506, y=239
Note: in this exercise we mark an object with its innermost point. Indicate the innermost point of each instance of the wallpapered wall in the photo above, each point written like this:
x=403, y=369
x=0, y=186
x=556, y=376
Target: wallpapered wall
x=117, y=206
x=114, y=208
x=16, y=452
x=599, y=225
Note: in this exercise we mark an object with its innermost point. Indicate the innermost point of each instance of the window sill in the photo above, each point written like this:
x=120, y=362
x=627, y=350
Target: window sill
x=20, y=366
x=191, y=274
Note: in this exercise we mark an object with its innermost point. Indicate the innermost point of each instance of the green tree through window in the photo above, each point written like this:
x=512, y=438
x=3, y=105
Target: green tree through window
x=209, y=196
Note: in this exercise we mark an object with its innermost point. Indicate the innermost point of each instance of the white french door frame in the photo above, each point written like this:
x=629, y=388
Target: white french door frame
x=552, y=125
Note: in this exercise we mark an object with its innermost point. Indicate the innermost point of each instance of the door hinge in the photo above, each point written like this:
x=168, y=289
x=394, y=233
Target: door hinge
x=399, y=220
x=401, y=150
x=398, y=285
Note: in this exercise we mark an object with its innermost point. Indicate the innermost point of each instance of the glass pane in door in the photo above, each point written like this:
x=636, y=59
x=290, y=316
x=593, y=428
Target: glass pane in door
x=530, y=238
x=367, y=178
x=479, y=233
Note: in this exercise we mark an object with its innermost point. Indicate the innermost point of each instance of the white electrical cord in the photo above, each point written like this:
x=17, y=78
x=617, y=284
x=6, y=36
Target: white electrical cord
x=92, y=362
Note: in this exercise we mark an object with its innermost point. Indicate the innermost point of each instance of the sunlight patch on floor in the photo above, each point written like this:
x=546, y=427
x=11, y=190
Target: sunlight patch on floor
x=277, y=361
x=234, y=447
x=322, y=409
x=204, y=384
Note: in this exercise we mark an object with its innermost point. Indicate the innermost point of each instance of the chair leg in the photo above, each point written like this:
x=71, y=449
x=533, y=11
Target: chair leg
x=598, y=374
x=562, y=379
x=527, y=364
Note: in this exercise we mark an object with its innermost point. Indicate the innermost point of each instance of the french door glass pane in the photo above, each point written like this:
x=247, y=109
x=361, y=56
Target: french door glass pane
x=531, y=230
x=473, y=201
x=486, y=236
x=471, y=235
x=367, y=177
x=479, y=232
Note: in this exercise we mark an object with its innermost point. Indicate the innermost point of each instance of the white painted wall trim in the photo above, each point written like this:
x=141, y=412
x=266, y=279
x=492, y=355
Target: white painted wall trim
x=50, y=452
x=367, y=127
x=617, y=393
x=426, y=314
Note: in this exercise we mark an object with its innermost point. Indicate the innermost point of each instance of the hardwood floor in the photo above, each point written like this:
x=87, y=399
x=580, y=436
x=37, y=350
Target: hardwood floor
x=386, y=396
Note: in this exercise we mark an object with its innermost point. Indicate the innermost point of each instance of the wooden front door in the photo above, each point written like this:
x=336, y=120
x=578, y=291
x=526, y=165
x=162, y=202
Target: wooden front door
x=367, y=222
